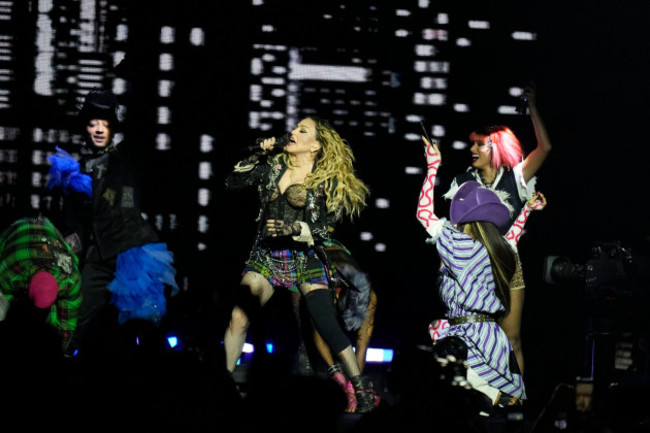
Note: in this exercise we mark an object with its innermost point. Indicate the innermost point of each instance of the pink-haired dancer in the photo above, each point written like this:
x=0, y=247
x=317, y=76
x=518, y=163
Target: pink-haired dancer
x=478, y=264
x=498, y=163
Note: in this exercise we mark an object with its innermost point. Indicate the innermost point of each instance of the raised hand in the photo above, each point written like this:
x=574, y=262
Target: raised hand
x=431, y=152
x=425, y=211
x=537, y=201
x=529, y=94
x=267, y=143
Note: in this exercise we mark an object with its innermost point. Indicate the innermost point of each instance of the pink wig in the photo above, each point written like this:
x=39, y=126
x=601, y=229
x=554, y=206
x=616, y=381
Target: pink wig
x=506, y=149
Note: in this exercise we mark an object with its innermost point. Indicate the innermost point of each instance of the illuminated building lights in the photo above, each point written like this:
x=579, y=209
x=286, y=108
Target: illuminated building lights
x=478, y=24
x=165, y=88
x=461, y=108
x=524, y=36
x=167, y=35
x=328, y=73
x=413, y=170
x=197, y=36
x=204, y=197
x=205, y=170
x=166, y=62
x=203, y=225
x=206, y=144
x=163, y=141
x=382, y=203
x=365, y=236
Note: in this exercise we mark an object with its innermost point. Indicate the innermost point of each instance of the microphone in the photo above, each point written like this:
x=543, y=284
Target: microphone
x=279, y=145
x=522, y=106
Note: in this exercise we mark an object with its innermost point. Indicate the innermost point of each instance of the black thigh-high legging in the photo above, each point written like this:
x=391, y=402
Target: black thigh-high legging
x=321, y=309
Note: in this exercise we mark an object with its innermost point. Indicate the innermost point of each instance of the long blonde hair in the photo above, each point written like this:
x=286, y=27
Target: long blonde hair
x=334, y=166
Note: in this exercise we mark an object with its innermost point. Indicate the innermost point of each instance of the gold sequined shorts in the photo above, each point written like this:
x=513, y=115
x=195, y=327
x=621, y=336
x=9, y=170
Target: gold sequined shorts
x=517, y=282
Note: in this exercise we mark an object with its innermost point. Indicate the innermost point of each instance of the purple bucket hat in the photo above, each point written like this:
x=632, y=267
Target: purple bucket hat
x=472, y=202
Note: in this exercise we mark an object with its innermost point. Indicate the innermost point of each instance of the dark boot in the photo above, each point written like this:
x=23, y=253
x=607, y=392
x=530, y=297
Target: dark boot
x=367, y=398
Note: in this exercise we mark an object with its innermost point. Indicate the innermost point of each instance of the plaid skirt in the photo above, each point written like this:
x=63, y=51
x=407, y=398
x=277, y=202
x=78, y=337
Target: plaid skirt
x=288, y=268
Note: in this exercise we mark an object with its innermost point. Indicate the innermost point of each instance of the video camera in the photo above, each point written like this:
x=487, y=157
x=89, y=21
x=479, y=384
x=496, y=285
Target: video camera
x=611, y=266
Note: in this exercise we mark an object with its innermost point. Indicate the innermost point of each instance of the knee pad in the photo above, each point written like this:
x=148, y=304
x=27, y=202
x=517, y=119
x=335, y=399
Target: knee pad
x=320, y=307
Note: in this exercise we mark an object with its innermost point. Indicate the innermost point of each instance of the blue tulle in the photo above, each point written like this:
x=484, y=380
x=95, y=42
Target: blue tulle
x=65, y=174
x=138, y=287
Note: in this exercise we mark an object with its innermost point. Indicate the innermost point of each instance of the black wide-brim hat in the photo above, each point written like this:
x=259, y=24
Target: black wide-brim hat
x=99, y=104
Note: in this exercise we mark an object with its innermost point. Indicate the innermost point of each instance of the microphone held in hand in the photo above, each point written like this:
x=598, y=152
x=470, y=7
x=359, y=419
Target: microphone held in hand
x=279, y=145
x=522, y=106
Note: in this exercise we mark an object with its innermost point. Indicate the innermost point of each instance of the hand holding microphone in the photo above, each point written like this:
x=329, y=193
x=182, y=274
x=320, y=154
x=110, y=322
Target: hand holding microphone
x=270, y=144
x=526, y=99
x=266, y=143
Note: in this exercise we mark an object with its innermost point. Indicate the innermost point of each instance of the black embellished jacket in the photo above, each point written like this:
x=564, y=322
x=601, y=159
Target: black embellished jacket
x=112, y=220
x=264, y=172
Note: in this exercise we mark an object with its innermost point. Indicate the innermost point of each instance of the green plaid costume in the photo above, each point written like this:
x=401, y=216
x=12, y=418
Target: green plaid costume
x=30, y=245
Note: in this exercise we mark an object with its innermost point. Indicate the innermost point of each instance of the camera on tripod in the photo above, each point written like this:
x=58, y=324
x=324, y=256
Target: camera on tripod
x=611, y=266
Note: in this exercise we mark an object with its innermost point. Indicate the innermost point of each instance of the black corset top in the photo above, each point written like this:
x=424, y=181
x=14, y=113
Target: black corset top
x=290, y=205
x=295, y=195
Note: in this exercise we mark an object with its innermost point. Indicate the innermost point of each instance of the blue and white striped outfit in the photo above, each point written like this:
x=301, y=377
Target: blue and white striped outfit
x=467, y=288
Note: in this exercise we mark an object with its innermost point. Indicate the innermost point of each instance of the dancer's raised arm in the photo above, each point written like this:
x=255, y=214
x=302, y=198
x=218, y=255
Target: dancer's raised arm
x=537, y=202
x=425, y=213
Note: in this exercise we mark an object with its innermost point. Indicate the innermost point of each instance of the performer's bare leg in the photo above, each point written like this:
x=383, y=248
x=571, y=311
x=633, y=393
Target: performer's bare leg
x=235, y=335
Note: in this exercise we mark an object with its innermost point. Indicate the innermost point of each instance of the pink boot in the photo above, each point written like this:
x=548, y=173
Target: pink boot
x=336, y=374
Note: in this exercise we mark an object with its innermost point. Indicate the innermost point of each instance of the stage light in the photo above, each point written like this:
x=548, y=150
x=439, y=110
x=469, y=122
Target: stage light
x=172, y=341
x=478, y=24
x=382, y=203
x=524, y=36
x=374, y=355
x=163, y=141
x=459, y=145
x=167, y=35
x=203, y=196
x=206, y=143
x=197, y=36
x=164, y=115
x=365, y=236
x=166, y=62
x=413, y=170
x=165, y=88
x=507, y=109
x=379, y=356
x=205, y=170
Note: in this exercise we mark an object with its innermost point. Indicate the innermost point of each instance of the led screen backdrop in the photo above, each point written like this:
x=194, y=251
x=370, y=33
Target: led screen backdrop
x=200, y=81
